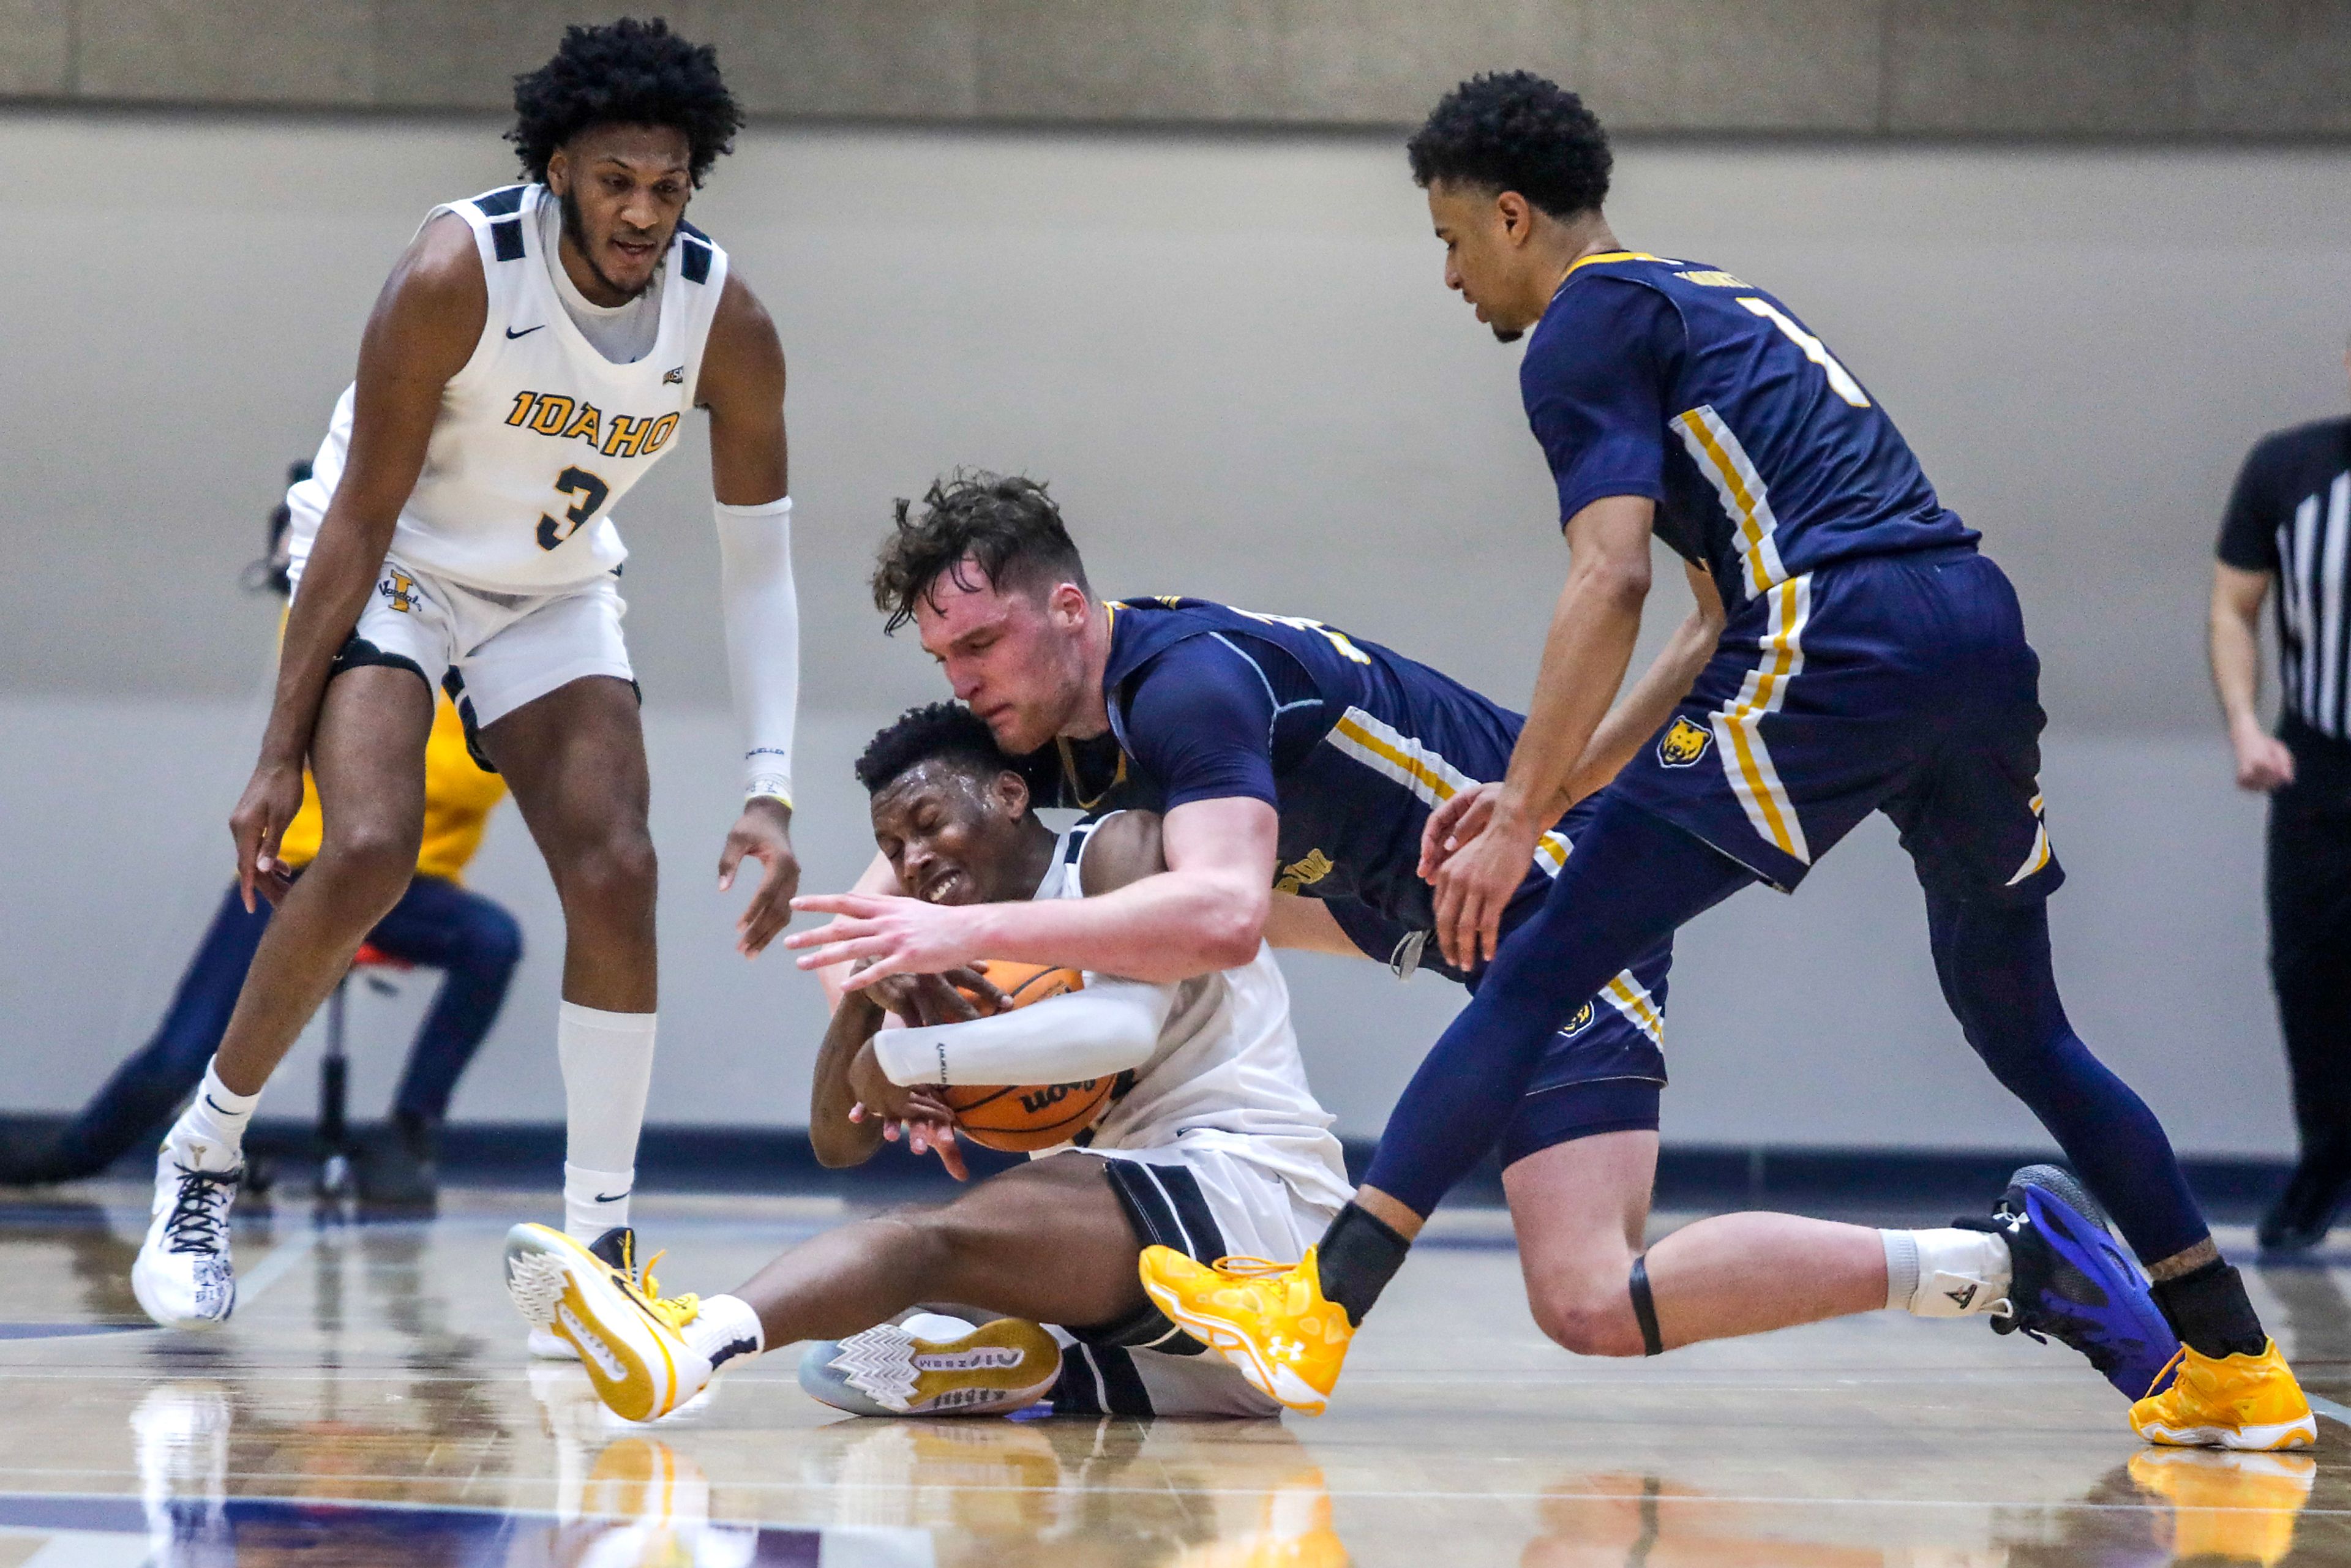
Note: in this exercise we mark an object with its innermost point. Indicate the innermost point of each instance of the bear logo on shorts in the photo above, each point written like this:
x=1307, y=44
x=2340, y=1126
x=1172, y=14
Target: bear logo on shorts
x=1683, y=744
x=1581, y=1021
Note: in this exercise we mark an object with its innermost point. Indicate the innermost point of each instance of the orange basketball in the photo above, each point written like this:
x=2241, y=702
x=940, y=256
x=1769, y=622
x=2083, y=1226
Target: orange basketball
x=1020, y=1117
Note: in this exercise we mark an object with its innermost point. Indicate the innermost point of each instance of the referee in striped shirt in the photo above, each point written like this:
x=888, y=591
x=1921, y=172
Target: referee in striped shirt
x=2288, y=531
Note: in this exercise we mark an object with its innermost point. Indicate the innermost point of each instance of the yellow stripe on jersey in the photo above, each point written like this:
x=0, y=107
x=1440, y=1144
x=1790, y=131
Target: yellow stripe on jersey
x=2038, y=856
x=1747, y=761
x=1629, y=996
x=1727, y=467
x=1607, y=255
x=1389, y=752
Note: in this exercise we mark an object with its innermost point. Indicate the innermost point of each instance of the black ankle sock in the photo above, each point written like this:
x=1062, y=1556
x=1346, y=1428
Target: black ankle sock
x=1359, y=1255
x=2207, y=1308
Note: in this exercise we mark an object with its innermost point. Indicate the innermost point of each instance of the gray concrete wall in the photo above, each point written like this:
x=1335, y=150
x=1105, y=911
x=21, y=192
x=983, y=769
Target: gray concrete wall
x=1934, y=68
x=1234, y=360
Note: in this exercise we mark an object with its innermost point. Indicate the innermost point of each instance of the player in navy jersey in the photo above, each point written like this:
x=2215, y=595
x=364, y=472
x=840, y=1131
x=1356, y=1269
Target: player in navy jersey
x=1296, y=765
x=1871, y=659
x=1285, y=752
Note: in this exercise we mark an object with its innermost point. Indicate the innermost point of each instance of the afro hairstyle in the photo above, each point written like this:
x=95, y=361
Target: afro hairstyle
x=920, y=735
x=629, y=73
x=1514, y=130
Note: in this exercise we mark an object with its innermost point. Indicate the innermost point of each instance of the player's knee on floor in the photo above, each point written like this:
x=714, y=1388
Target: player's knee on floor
x=1588, y=1315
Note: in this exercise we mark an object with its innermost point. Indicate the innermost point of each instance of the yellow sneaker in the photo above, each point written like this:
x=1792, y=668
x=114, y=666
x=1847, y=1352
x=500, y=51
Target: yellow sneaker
x=1270, y=1319
x=2237, y=1505
x=2232, y=1402
x=627, y=1337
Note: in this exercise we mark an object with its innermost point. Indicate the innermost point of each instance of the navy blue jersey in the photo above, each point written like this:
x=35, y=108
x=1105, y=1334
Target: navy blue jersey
x=1766, y=458
x=1352, y=744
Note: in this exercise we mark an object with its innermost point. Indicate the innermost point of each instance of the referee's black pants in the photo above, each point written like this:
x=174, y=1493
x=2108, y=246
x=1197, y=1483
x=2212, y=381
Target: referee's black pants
x=2310, y=961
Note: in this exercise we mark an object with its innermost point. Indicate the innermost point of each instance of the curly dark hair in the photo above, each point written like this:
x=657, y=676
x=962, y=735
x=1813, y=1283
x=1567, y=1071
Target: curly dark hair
x=1006, y=524
x=630, y=73
x=1514, y=130
x=920, y=733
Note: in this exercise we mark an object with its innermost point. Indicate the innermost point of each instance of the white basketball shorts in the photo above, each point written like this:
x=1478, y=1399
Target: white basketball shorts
x=508, y=649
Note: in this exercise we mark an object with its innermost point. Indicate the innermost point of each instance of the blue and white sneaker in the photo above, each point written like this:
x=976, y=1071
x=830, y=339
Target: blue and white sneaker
x=2074, y=1283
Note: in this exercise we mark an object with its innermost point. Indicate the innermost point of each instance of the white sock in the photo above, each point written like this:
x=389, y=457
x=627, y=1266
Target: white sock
x=608, y=1067
x=210, y=1134
x=723, y=1329
x=594, y=1201
x=1946, y=1273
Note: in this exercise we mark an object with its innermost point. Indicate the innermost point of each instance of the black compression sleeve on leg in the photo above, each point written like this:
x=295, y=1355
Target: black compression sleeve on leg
x=1644, y=1307
x=2207, y=1309
x=1359, y=1255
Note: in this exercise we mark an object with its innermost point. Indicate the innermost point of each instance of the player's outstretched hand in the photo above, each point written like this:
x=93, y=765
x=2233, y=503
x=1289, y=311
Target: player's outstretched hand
x=897, y=935
x=1455, y=822
x=763, y=834
x=1474, y=886
x=270, y=799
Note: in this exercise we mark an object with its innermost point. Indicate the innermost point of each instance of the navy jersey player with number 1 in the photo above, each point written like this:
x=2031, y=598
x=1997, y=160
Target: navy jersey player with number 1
x=1872, y=659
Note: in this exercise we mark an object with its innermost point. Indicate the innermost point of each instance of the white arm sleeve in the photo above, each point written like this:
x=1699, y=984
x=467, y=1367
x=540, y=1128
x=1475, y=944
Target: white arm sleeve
x=762, y=638
x=1108, y=1027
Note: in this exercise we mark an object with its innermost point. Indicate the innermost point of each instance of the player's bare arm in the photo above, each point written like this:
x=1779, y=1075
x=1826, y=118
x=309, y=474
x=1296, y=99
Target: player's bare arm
x=742, y=385
x=1205, y=912
x=1641, y=712
x=2263, y=762
x=422, y=331
x=1589, y=645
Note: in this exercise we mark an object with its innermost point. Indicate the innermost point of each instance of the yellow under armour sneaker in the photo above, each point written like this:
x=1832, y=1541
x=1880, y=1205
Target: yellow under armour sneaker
x=627, y=1335
x=1270, y=1319
x=2230, y=1402
x=2241, y=1507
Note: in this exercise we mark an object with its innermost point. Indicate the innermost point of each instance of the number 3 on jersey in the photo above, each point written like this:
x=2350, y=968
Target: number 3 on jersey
x=592, y=492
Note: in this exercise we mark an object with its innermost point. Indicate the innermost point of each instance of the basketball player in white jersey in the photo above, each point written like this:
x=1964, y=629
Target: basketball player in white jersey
x=1212, y=1144
x=533, y=353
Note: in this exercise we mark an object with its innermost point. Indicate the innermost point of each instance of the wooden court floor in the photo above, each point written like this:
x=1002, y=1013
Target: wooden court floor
x=372, y=1403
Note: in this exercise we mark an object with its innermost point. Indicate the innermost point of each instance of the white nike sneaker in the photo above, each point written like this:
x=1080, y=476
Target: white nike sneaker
x=934, y=1365
x=183, y=1277
x=629, y=1339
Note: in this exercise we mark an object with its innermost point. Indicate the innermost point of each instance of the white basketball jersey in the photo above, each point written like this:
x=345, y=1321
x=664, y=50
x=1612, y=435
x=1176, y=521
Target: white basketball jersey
x=539, y=434
x=1227, y=1068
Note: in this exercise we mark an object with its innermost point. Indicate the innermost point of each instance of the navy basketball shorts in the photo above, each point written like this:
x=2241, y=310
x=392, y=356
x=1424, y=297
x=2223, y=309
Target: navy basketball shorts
x=1896, y=683
x=1604, y=1071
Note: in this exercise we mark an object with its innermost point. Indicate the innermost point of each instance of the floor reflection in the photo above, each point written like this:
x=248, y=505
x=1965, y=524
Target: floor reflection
x=2162, y=1506
x=372, y=1403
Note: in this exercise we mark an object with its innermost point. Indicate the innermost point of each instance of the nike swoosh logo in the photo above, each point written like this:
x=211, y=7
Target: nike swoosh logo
x=611, y=1196
x=218, y=1107
x=526, y=331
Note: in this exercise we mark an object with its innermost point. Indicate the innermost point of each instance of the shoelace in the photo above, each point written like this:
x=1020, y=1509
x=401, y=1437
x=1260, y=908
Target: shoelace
x=2177, y=1357
x=675, y=1310
x=199, y=1218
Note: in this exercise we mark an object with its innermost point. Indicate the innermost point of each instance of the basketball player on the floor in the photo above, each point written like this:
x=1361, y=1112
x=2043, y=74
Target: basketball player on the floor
x=1297, y=766
x=531, y=356
x=1212, y=1143
x=1872, y=660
